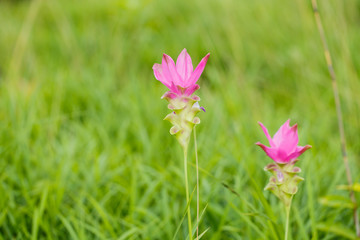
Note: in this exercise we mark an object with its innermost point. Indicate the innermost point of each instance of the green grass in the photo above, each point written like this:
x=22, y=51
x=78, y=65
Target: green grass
x=85, y=154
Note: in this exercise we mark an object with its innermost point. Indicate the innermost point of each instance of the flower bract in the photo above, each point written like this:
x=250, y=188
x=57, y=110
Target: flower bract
x=179, y=78
x=284, y=145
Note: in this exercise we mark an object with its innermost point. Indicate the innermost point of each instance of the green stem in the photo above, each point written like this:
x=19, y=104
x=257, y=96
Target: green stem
x=287, y=209
x=197, y=187
x=187, y=194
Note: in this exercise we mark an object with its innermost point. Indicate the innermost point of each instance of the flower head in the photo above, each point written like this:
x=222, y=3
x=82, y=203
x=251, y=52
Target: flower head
x=284, y=145
x=179, y=78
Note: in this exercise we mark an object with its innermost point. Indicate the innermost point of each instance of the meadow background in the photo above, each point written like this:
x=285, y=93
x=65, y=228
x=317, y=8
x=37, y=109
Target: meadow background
x=85, y=154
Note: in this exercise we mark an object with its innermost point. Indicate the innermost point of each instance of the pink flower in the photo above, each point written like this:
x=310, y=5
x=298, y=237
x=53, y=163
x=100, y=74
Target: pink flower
x=284, y=145
x=181, y=78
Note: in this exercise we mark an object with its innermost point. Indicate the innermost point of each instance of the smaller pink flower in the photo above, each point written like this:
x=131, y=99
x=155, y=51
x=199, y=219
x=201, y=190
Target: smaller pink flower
x=284, y=145
x=181, y=78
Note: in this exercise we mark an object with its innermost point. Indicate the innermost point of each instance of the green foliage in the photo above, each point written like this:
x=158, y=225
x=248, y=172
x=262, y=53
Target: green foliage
x=336, y=201
x=85, y=154
x=338, y=229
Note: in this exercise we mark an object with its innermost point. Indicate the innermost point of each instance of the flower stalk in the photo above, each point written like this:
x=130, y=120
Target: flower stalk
x=197, y=187
x=287, y=209
x=187, y=193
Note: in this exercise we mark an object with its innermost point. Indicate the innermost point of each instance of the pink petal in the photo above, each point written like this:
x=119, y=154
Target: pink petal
x=198, y=71
x=299, y=150
x=267, y=134
x=169, y=70
x=290, y=139
x=184, y=65
x=279, y=135
x=175, y=89
x=271, y=152
x=281, y=156
x=159, y=75
x=286, y=138
x=190, y=90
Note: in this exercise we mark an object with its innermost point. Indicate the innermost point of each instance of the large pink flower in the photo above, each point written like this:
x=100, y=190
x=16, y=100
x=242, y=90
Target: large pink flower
x=181, y=78
x=284, y=145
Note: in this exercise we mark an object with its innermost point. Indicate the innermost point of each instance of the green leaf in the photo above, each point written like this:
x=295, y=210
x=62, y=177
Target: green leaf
x=336, y=201
x=337, y=229
x=355, y=187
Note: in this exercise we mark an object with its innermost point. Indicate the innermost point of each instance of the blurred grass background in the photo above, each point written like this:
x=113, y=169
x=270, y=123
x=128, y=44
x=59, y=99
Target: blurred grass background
x=85, y=153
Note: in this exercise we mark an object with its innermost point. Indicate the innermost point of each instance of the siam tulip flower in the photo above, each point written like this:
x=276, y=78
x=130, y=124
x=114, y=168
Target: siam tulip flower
x=180, y=79
x=284, y=145
x=284, y=150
